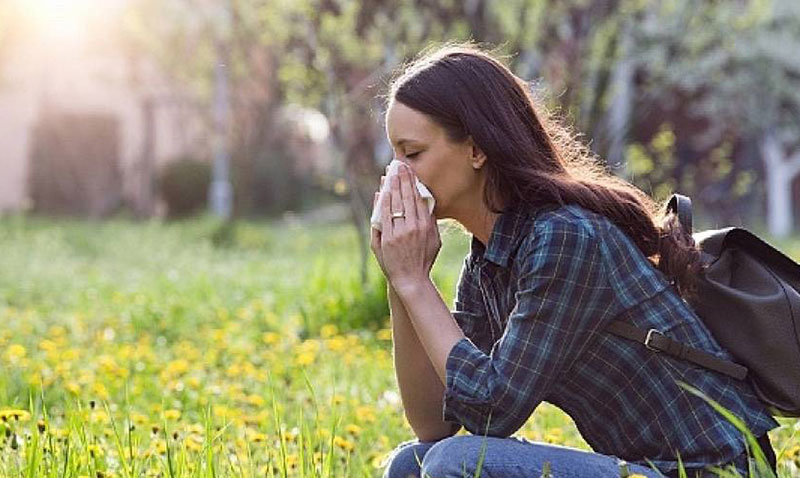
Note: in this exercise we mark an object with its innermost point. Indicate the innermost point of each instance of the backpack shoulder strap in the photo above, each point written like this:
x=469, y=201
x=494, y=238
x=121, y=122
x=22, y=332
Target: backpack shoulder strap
x=682, y=206
x=655, y=340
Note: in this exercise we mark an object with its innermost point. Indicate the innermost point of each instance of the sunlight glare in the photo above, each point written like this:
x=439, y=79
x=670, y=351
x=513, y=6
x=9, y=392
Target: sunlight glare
x=59, y=20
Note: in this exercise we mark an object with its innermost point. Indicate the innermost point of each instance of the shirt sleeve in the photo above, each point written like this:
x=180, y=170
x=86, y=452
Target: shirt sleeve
x=469, y=310
x=562, y=300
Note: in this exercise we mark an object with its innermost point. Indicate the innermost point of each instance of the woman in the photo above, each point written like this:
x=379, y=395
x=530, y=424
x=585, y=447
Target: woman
x=559, y=248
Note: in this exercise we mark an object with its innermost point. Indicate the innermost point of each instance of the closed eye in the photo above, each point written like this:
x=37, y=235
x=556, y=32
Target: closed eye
x=411, y=155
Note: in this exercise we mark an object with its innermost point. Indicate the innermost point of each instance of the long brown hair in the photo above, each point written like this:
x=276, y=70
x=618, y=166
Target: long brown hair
x=533, y=159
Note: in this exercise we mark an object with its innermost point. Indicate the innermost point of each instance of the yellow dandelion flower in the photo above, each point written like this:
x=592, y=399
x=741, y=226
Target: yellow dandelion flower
x=176, y=368
x=15, y=353
x=222, y=411
x=194, y=442
x=309, y=345
x=172, y=414
x=241, y=443
x=255, y=400
x=256, y=437
x=270, y=338
x=343, y=443
x=73, y=388
x=257, y=419
x=48, y=345
x=100, y=390
x=383, y=356
x=378, y=459
x=99, y=416
x=160, y=447
x=57, y=331
x=139, y=419
x=353, y=429
x=235, y=370
x=95, y=451
x=267, y=470
x=305, y=358
x=365, y=414
x=384, y=334
x=792, y=454
x=338, y=399
x=336, y=344
x=328, y=331
x=291, y=435
x=554, y=435
x=8, y=415
x=70, y=354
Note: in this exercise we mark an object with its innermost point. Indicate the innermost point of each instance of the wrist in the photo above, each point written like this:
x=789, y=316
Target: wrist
x=409, y=286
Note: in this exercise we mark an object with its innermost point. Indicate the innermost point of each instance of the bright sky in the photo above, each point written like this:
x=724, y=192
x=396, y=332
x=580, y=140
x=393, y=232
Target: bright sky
x=59, y=21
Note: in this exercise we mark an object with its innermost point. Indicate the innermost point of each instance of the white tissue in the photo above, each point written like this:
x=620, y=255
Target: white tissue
x=392, y=169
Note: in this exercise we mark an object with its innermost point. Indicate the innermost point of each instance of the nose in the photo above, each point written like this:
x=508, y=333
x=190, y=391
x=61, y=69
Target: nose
x=404, y=161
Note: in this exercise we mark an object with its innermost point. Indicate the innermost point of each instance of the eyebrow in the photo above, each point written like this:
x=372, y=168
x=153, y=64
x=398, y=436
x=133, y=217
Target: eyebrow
x=402, y=141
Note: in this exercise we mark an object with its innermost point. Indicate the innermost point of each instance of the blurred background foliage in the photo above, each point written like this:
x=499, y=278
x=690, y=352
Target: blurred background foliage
x=698, y=97
x=677, y=95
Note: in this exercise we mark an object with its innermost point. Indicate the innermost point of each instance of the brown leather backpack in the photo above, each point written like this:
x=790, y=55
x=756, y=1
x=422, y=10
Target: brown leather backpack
x=749, y=298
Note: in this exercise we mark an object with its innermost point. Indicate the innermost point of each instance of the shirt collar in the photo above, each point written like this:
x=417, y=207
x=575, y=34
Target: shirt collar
x=503, y=239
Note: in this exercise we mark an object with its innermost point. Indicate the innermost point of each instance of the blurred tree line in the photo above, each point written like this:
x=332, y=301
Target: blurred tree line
x=699, y=97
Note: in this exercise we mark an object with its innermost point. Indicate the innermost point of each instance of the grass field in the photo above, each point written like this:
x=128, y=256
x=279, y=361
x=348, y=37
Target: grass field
x=186, y=349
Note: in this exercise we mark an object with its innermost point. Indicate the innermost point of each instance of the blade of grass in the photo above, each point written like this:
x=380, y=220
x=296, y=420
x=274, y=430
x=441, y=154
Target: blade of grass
x=761, y=459
x=118, y=440
x=210, y=467
x=170, y=468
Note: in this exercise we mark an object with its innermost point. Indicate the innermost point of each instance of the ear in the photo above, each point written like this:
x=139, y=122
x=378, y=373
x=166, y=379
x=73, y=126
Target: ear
x=477, y=157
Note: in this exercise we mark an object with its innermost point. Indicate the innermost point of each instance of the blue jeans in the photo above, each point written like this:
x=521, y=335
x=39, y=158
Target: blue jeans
x=457, y=457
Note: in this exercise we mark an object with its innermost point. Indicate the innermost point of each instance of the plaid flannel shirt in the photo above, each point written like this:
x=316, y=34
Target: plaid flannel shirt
x=533, y=305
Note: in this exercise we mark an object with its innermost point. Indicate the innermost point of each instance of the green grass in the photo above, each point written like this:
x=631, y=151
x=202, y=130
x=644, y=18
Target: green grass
x=190, y=349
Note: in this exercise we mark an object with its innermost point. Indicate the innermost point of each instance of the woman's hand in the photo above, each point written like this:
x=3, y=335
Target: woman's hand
x=407, y=247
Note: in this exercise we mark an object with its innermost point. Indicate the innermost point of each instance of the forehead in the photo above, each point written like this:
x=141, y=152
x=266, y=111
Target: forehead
x=407, y=124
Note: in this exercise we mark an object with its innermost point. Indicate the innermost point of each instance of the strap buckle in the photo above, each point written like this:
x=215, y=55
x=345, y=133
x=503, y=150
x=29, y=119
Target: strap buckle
x=649, y=338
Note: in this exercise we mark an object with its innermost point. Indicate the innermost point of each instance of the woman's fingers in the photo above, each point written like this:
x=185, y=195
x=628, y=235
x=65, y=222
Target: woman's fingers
x=408, y=193
x=396, y=202
x=386, y=214
x=375, y=240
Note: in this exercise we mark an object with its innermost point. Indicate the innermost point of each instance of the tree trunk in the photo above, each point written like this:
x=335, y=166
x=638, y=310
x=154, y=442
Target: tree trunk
x=145, y=204
x=780, y=170
x=619, y=113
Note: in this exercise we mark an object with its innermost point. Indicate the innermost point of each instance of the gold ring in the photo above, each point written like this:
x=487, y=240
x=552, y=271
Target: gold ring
x=398, y=214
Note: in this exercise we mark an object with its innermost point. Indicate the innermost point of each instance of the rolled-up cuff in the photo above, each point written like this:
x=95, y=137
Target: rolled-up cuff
x=459, y=403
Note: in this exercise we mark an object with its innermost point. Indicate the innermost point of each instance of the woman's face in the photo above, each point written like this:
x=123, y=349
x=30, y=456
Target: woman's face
x=449, y=169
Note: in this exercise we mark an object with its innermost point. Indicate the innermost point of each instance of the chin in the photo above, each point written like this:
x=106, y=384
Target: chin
x=438, y=214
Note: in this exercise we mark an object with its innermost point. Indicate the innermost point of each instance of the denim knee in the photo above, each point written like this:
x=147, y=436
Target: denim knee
x=404, y=461
x=451, y=457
